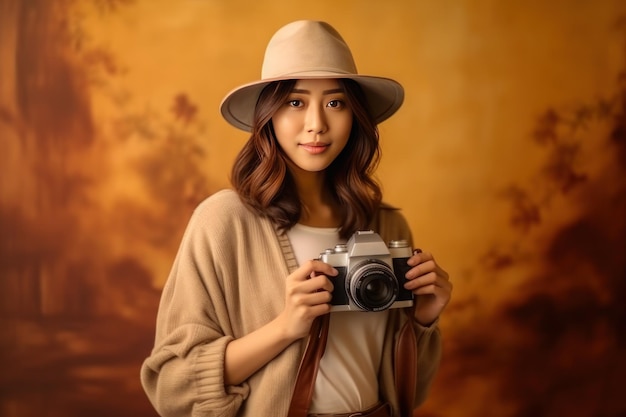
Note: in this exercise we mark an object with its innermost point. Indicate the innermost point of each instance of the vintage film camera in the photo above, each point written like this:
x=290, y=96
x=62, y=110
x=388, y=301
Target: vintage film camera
x=371, y=274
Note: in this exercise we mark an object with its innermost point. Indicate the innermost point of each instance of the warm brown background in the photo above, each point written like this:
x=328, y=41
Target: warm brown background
x=509, y=158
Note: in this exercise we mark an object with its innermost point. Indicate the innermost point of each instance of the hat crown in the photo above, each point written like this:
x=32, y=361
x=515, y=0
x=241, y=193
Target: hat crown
x=307, y=48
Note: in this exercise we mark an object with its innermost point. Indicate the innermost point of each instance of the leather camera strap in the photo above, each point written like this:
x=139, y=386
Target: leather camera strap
x=406, y=366
x=305, y=382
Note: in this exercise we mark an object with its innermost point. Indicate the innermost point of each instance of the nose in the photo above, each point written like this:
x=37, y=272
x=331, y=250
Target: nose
x=315, y=120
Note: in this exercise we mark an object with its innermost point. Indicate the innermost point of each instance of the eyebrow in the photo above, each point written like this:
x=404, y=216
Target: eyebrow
x=325, y=92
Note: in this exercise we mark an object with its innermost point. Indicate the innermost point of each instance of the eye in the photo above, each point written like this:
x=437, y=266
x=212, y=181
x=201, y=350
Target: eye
x=336, y=104
x=294, y=103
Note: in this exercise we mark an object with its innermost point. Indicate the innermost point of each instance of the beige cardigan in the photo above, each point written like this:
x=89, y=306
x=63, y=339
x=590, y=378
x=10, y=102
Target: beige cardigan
x=228, y=280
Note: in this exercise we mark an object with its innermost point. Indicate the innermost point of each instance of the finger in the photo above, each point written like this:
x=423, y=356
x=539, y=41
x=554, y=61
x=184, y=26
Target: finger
x=419, y=256
x=314, y=267
x=319, y=310
x=309, y=312
x=312, y=304
x=427, y=279
x=317, y=283
x=421, y=269
x=318, y=297
x=434, y=290
x=425, y=290
x=328, y=285
x=431, y=278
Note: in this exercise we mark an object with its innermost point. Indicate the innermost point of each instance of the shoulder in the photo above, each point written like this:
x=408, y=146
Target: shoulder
x=387, y=206
x=391, y=223
x=225, y=200
x=390, y=214
x=223, y=210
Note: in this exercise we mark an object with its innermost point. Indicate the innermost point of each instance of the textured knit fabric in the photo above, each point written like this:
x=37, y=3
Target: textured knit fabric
x=228, y=279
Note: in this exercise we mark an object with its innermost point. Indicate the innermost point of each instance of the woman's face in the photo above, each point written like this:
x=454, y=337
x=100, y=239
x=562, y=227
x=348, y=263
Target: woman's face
x=313, y=125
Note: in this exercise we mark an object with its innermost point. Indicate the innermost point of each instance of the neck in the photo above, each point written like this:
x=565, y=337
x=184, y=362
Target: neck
x=318, y=209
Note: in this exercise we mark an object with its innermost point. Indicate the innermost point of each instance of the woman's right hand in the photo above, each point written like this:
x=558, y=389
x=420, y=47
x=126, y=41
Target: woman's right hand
x=307, y=296
x=308, y=292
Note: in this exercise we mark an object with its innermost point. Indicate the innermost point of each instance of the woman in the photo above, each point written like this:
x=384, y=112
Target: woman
x=248, y=283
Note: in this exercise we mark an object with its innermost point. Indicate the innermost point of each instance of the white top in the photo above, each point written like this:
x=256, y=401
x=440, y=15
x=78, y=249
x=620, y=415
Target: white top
x=347, y=379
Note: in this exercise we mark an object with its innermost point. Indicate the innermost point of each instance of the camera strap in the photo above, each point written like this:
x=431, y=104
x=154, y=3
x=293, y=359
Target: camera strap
x=305, y=382
x=405, y=363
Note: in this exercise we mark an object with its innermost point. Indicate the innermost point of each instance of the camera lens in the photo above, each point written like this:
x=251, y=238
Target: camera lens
x=373, y=286
x=376, y=291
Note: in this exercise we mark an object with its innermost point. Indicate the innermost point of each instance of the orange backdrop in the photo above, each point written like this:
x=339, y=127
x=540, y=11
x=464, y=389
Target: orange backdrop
x=508, y=157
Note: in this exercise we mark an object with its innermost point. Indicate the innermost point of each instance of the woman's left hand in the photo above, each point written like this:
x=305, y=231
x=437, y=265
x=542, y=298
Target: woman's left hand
x=431, y=286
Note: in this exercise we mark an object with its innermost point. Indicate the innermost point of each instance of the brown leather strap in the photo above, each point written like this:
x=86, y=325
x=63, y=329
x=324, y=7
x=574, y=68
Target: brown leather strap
x=305, y=382
x=406, y=366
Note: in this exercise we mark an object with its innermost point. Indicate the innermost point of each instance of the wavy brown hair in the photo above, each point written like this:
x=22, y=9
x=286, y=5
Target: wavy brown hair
x=261, y=177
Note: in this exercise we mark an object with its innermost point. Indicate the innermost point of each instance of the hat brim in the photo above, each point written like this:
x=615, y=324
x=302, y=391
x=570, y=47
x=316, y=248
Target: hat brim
x=384, y=97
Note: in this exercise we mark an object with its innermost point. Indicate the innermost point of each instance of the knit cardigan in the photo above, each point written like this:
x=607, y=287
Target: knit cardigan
x=228, y=279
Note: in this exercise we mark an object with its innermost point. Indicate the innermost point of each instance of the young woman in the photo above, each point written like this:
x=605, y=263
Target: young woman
x=248, y=283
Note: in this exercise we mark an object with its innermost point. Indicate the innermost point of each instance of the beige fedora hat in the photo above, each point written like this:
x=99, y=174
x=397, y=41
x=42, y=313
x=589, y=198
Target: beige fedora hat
x=309, y=49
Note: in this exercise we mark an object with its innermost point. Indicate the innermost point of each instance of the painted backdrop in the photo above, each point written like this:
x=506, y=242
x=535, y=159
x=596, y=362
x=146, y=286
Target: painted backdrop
x=508, y=158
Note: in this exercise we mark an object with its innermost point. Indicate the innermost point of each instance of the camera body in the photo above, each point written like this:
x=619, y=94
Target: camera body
x=371, y=274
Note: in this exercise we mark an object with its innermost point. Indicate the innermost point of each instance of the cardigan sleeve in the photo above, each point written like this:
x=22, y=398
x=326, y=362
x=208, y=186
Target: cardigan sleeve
x=184, y=375
x=429, y=356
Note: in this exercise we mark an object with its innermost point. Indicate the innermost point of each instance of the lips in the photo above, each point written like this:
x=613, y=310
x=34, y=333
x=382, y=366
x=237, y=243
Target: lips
x=314, y=148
